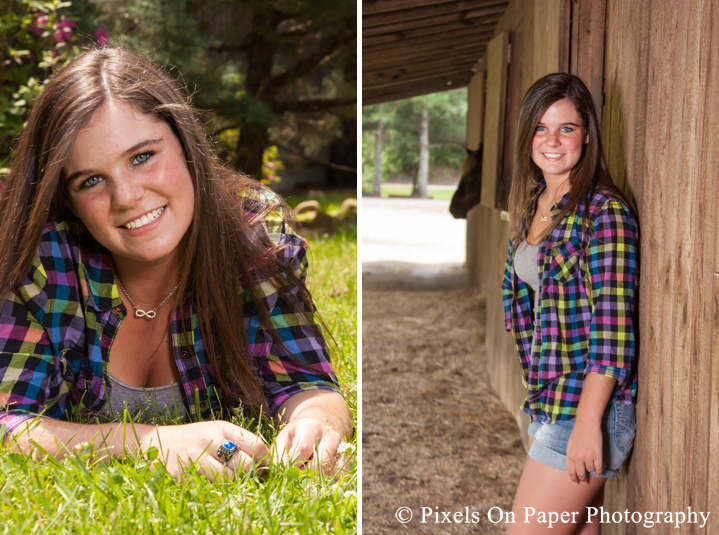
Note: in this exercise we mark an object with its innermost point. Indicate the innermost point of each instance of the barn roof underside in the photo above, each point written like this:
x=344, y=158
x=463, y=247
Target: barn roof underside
x=416, y=47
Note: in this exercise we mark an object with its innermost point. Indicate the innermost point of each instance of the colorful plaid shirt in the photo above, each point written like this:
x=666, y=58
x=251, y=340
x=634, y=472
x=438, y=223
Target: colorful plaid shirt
x=586, y=304
x=56, y=330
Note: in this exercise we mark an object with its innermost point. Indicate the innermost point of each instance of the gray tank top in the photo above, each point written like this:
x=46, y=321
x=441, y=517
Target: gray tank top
x=525, y=267
x=143, y=403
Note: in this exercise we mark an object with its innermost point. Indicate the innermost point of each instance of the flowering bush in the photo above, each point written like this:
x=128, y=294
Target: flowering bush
x=35, y=38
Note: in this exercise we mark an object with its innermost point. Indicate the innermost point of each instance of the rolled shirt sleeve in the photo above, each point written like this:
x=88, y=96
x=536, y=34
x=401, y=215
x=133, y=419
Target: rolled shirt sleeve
x=301, y=362
x=612, y=265
x=27, y=363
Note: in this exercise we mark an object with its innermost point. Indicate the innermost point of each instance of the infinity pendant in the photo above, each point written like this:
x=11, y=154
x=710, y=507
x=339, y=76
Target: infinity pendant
x=543, y=218
x=141, y=313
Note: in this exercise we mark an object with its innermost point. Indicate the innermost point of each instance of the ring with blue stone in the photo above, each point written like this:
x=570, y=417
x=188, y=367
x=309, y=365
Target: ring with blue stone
x=227, y=451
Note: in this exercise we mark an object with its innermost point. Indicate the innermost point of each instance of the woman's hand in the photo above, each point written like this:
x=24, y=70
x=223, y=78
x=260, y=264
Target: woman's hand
x=317, y=421
x=584, y=451
x=182, y=445
x=306, y=441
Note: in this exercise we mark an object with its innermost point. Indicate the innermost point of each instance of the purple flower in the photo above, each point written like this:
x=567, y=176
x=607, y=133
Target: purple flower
x=38, y=25
x=102, y=36
x=64, y=31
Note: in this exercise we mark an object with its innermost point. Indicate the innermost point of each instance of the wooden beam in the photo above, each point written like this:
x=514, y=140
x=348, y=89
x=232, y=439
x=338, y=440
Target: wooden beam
x=433, y=32
x=482, y=24
x=494, y=118
x=379, y=96
x=417, y=56
x=427, y=60
x=370, y=7
x=373, y=82
x=393, y=17
x=457, y=41
x=475, y=110
x=467, y=18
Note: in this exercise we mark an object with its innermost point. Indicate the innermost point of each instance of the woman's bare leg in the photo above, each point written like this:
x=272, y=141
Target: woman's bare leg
x=548, y=490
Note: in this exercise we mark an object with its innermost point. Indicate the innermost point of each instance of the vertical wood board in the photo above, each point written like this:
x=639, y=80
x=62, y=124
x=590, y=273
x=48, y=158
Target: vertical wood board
x=475, y=111
x=494, y=117
x=546, y=37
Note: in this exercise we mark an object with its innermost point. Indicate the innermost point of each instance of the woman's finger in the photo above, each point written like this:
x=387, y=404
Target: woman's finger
x=327, y=458
x=572, y=471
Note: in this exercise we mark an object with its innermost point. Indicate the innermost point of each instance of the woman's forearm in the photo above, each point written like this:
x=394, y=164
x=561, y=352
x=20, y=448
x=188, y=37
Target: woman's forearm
x=57, y=438
x=596, y=394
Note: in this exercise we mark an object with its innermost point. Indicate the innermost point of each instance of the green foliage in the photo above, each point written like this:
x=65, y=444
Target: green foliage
x=35, y=38
x=81, y=495
x=400, y=154
x=237, y=59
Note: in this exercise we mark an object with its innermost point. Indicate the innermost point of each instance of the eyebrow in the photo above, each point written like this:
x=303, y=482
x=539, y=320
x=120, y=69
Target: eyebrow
x=562, y=124
x=134, y=148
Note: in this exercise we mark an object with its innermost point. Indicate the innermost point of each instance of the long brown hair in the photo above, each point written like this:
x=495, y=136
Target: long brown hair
x=223, y=250
x=589, y=174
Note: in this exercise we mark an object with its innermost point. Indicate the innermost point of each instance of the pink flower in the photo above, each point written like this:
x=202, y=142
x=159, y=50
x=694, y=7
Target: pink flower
x=38, y=25
x=64, y=31
x=102, y=36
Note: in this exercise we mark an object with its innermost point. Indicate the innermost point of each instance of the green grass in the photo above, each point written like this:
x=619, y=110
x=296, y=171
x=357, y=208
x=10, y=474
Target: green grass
x=406, y=189
x=81, y=495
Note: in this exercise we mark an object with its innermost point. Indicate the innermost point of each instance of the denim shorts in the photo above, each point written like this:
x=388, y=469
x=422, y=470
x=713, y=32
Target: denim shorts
x=618, y=428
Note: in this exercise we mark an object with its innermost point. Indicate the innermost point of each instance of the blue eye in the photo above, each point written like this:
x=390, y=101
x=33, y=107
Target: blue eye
x=567, y=129
x=541, y=128
x=142, y=158
x=90, y=182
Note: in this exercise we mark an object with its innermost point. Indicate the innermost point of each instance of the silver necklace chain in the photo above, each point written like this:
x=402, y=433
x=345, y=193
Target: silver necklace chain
x=138, y=311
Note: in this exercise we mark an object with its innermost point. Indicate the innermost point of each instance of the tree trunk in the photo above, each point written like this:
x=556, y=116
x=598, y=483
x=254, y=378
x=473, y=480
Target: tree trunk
x=378, y=159
x=254, y=139
x=423, y=173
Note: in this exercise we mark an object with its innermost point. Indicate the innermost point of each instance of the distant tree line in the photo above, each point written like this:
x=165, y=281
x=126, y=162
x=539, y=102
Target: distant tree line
x=412, y=137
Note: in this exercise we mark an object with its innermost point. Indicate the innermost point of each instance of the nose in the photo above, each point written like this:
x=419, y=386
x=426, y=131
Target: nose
x=126, y=191
x=552, y=139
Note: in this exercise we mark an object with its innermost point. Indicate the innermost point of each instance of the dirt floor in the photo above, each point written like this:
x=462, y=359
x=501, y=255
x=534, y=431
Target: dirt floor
x=434, y=435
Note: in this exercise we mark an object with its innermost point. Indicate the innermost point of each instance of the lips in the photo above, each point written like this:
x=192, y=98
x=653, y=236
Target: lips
x=144, y=220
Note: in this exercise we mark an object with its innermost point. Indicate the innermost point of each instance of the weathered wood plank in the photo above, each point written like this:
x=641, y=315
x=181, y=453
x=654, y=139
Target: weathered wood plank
x=703, y=352
x=482, y=24
x=393, y=17
x=470, y=18
x=413, y=57
x=448, y=73
x=429, y=59
x=475, y=111
x=370, y=7
x=389, y=94
x=546, y=37
x=451, y=64
x=467, y=38
x=494, y=118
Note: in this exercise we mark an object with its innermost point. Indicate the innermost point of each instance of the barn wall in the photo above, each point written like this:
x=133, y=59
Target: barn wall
x=661, y=87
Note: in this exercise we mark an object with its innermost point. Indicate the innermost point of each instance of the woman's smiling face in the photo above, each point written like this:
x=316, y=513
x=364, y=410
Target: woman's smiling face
x=558, y=140
x=128, y=182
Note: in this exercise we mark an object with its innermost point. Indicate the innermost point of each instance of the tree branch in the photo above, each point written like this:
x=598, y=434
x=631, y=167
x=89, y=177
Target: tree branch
x=313, y=159
x=307, y=65
x=303, y=106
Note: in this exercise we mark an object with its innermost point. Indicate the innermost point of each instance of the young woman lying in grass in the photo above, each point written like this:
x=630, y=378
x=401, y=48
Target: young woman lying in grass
x=138, y=271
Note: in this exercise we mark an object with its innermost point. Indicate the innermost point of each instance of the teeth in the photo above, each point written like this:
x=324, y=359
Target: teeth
x=145, y=219
x=549, y=155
